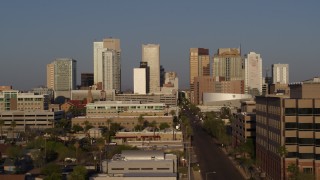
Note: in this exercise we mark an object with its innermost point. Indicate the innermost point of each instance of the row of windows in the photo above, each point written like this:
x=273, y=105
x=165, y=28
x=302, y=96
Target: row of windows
x=303, y=155
x=302, y=126
x=301, y=111
x=302, y=141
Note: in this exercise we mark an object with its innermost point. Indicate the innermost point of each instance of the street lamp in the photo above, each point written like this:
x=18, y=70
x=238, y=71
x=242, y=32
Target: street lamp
x=213, y=172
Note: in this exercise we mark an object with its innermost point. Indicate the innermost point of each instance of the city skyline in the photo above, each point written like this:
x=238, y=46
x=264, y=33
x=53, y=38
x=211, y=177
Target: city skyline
x=35, y=33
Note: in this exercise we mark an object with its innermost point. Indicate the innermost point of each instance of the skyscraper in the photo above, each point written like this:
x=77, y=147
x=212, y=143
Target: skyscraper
x=140, y=80
x=61, y=73
x=228, y=63
x=253, y=73
x=280, y=73
x=151, y=55
x=107, y=64
x=199, y=64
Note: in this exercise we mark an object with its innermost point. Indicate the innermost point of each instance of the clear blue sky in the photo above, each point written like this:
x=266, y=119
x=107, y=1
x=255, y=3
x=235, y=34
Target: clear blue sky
x=34, y=33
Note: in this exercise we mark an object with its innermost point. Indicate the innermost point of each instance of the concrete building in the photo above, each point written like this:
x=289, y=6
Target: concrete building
x=140, y=80
x=151, y=55
x=43, y=91
x=138, y=164
x=228, y=63
x=199, y=60
x=202, y=84
x=34, y=120
x=291, y=122
x=123, y=108
x=244, y=124
x=280, y=73
x=15, y=100
x=253, y=73
x=169, y=99
x=107, y=64
x=96, y=95
x=64, y=71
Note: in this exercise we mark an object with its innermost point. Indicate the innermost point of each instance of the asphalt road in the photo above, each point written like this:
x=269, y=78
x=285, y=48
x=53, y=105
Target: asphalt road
x=213, y=162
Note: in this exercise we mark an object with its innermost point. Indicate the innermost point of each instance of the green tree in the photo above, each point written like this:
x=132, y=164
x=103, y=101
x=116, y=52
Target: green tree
x=173, y=112
x=14, y=152
x=163, y=126
x=76, y=128
x=51, y=171
x=79, y=173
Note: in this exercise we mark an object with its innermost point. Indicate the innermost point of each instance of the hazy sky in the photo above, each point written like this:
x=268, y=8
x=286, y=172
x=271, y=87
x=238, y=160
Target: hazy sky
x=34, y=33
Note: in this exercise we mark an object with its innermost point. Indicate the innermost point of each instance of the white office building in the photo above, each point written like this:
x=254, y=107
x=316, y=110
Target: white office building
x=151, y=55
x=253, y=73
x=107, y=64
x=140, y=81
x=280, y=73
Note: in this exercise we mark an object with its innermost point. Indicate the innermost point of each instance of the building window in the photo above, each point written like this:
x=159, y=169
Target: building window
x=305, y=126
x=306, y=141
x=291, y=140
x=117, y=169
x=291, y=154
x=307, y=170
x=146, y=168
x=305, y=111
x=290, y=111
x=316, y=111
x=291, y=125
x=306, y=156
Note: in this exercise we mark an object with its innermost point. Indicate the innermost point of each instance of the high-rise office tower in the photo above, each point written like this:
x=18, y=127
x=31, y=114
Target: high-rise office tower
x=199, y=64
x=280, y=73
x=151, y=55
x=62, y=73
x=228, y=63
x=107, y=64
x=253, y=73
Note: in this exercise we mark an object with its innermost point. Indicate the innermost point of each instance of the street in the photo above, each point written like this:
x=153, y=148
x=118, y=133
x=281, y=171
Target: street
x=214, y=164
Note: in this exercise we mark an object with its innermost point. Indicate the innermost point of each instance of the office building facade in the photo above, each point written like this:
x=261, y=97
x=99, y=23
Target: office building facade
x=151, y=55
x=199, y=60
x=62, y=74
x=87, y=79
x=228, y=63
x=253, y=73
x=290, y=123
x=140, y=81
x=280, y=73
x=107, y=64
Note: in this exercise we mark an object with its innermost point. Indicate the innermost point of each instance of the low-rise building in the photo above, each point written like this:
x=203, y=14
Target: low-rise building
x=15, y=100
x=29, y=119
x=139, y=164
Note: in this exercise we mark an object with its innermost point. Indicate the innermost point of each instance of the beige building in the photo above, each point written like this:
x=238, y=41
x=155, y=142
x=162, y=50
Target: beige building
x=151, y=55
x=29, y=119
x=291, y=122
x=199, y=64
x=169, y=99
x=207, y=84
x=15, y=100
x=228, y=63
x=244, y=124
x=127, y=122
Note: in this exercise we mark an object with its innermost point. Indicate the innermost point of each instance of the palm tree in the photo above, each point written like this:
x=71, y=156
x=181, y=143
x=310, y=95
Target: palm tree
x=109, y=121
x=140, y=120
x=13, y=125
x=1, y=125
